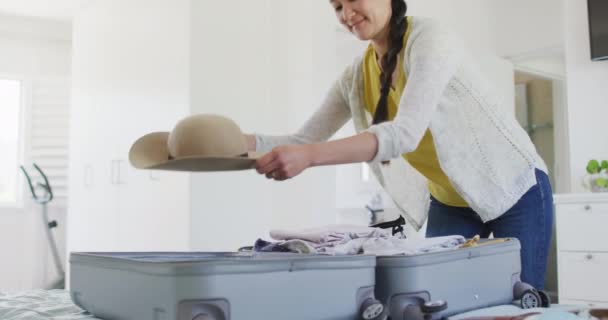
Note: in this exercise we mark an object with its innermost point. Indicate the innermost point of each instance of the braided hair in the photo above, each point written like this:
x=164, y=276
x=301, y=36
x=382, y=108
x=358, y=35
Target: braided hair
x=398, y=26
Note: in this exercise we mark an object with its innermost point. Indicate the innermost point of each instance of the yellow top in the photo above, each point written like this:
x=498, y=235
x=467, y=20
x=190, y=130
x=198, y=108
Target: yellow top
x=424, y=158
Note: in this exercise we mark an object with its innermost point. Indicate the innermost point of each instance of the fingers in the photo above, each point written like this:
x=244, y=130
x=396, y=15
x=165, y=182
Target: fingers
x=274, y=170
x=272, y=174
x=270, y=166
x=267, y=164
x=279, y=175
x=275, y=164
x=265, y=160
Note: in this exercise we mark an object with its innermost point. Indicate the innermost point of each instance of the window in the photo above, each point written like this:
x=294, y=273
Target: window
x=49, y=108
x=10, y=142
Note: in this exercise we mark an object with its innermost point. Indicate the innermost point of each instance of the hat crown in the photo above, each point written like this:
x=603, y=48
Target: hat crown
x=206, y=136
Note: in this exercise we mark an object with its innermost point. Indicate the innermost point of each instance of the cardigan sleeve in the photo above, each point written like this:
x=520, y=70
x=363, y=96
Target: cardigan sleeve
x=433, y=56
x=333, y=113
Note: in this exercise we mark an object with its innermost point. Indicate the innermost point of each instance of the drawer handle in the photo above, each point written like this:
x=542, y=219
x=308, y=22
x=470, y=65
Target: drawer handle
x=587, y=207
x=589, y=256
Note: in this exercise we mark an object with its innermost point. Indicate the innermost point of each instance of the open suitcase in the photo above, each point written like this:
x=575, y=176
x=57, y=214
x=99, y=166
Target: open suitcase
x=437, y=285
x=223, y=286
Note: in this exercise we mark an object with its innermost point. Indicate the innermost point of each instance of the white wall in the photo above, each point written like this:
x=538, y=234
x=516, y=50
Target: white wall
x=508, y=28
x=31, y=49
x=520, y=26
x=587, y=94
x=34, y=47
x=232, y=75
x=548, y=64
x=130, y=76
x=469, y=18
x=529, y=33
x=269, y=77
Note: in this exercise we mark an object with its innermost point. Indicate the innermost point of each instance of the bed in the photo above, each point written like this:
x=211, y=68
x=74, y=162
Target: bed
x=57, y=305
x=40, y=305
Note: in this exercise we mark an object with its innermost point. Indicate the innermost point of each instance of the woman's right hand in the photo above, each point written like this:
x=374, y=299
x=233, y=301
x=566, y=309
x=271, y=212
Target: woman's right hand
x=285, y=162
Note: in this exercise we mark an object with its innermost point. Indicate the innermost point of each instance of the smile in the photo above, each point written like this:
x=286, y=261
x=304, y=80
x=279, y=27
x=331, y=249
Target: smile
x=352, y=25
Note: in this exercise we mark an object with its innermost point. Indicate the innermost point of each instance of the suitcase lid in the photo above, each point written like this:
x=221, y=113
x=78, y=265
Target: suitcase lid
x=481, y=250
x=211, y=263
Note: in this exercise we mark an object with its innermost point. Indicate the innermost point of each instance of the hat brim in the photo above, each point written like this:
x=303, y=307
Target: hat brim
x=151, y=152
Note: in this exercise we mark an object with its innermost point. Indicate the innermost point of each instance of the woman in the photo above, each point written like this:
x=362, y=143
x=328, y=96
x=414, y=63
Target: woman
x=434, y=112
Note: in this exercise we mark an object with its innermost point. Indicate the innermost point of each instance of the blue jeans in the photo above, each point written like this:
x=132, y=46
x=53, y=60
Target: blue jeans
x=530, y=220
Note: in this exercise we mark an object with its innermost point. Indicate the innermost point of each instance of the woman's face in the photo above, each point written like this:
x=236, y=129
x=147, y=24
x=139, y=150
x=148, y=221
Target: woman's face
x=366, y=19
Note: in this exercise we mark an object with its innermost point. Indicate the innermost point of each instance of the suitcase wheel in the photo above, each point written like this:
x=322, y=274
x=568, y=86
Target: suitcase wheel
x=531, y=299
x=372, y=309
x=544, y=299
x=434, y=306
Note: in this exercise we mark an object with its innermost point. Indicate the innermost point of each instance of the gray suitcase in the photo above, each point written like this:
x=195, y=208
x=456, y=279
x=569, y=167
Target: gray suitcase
x=437, y=285
x=223, y=286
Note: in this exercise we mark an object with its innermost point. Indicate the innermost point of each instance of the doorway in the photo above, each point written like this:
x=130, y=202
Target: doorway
x=540, y=108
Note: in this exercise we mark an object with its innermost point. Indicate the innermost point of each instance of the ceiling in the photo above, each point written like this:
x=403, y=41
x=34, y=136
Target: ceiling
x=49, y=9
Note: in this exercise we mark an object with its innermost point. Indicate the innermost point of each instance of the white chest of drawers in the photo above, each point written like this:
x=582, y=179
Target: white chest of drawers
x=582, y=248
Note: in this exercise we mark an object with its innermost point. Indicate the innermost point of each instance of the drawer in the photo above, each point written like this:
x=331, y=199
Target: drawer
x=582, y=227
x=583, y=276
x=583, y=207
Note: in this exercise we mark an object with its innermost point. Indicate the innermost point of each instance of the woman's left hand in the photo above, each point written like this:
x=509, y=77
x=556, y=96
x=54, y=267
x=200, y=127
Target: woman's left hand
x=284, y=162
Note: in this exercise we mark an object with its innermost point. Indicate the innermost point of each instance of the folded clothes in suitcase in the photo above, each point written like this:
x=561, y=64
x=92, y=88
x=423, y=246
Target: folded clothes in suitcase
x=436, y=285
x=223, y=286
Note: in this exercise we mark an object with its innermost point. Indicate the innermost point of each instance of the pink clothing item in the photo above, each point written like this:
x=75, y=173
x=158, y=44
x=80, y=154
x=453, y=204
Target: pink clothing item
x=329, y=233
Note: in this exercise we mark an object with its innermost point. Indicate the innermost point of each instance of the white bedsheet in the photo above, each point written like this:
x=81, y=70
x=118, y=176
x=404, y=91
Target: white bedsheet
x=40, y=305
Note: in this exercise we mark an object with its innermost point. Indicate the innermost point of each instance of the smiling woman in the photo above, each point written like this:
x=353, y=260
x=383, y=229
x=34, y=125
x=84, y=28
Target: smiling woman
x=10, y=100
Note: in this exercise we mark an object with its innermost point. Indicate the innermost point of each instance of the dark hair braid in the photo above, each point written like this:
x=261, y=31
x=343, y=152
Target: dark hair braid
x=397, y=28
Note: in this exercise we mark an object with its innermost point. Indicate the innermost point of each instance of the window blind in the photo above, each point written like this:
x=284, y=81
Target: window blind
x=49, y=132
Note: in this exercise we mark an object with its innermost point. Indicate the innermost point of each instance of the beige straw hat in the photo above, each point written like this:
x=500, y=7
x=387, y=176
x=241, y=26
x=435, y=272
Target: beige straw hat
x=197, y=143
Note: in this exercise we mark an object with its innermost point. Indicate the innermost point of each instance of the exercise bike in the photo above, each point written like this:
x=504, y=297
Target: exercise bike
x=43, y=199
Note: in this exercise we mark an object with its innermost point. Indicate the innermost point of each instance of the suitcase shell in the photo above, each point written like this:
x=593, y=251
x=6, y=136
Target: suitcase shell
x=467, y=278
x=221, y=286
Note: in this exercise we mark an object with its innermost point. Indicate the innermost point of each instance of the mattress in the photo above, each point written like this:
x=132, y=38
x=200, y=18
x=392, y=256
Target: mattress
x=57, y=305
x=40, y=305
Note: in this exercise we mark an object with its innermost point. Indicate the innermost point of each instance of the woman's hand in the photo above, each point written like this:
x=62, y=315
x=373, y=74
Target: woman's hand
x=284, y=162
x=287, y=161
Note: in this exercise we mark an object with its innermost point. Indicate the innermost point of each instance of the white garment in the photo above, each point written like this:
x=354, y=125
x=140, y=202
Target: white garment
x=377, y=242
x=381, y=246
x=400, y=246
x=328, y=233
